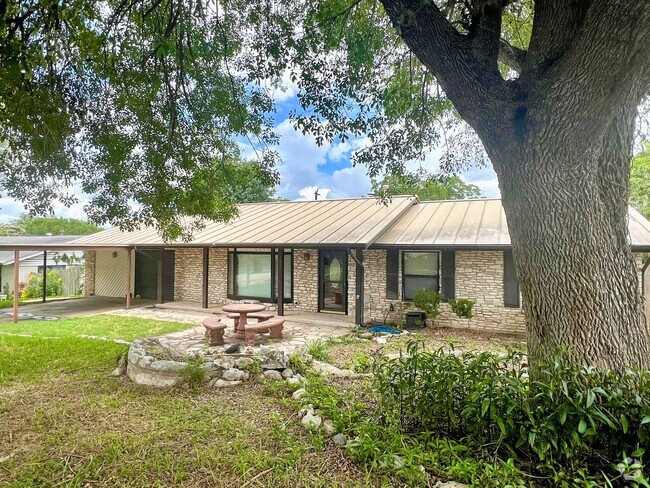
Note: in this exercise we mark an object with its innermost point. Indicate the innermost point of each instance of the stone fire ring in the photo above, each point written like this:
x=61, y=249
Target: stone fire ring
x=154, y=362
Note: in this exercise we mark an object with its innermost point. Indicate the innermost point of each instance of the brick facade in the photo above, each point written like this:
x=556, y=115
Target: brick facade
x=188, y=272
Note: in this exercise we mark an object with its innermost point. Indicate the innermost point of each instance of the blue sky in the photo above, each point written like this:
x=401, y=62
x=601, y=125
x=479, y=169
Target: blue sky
x=305, y=166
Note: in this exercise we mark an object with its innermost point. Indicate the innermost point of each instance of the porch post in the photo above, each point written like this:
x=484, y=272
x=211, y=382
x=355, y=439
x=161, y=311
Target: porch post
x=280, y=273
x=359, y=291
x=159, y=287
x=44, y=275
x=128, y=278
x=206, y=270
x=16, y=282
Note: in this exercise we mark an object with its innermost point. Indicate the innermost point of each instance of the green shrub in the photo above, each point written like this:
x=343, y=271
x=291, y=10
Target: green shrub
x=569, y=424
x=194, y=373
x=34, y=288
x=318, y=350
x=361, y=363
x=429, y=302
x=462, y=307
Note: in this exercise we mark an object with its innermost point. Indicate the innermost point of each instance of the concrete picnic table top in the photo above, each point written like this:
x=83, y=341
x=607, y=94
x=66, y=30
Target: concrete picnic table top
x=242, y=309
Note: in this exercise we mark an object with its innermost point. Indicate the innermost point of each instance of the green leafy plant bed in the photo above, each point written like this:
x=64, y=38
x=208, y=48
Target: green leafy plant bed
x=480, y=419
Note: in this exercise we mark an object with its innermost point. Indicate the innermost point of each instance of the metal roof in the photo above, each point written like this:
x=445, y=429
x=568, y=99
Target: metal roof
x=473, y=224
x=37, y=244
x=334, y=223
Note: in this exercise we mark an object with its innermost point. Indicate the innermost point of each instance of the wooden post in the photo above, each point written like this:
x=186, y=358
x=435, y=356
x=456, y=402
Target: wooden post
x=128, y=279
x=159, y=289
x=206, y=269
x=280, y=273
x=16, y=283
x=44, y=275
x=359, y=291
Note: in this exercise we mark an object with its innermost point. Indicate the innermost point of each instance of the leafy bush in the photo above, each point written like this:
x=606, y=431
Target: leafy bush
x=361, y=363
x=429, y=302
x=462, y=307
x=318, y=350
x=569, y=426
x=34, y=288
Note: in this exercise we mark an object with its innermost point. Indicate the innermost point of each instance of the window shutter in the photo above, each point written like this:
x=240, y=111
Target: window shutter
x=392, y=273
x=448, y=272
x=510, y=282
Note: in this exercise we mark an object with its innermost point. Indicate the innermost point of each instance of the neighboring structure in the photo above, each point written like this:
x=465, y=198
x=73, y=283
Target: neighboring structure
x=34, y=261
x=356, y=257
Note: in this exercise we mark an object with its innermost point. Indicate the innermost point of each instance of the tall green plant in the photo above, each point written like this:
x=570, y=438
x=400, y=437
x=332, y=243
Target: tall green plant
x=429, y=302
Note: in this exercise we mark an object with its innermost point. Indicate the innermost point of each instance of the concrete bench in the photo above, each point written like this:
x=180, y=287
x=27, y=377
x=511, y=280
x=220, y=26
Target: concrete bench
x=235, y=318
x=214, y=330
x=274, y=326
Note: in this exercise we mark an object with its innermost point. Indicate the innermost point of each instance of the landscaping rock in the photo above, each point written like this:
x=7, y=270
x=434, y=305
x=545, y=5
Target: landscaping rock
x=449, y=484
x=307, y=409
x=274, y=359
x=219, y=383
x=272, y=375
x=234, y=374
x=244, y=363
x=299, y=394
x=340, y=439
x=328, y=427
x=366, y=335
x=287, y=373
x=330, y=370
x=293, y=381
x=311, y=422
x=381, y=340
x=224, y=363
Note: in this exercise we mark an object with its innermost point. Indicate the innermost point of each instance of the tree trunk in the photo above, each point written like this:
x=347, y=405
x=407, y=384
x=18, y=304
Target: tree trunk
x=567, y=218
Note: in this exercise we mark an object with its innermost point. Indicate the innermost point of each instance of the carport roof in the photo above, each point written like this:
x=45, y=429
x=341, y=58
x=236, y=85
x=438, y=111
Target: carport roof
x=355, y=222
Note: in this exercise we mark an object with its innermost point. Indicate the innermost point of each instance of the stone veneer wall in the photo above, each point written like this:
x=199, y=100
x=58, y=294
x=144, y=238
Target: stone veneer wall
x=188, y=272
x=89, y=273
x=479, y=276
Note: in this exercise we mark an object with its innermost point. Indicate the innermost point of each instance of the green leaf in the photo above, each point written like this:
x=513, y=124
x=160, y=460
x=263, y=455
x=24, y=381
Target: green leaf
x=624, y=423
x=582, y=426
x=484, y=406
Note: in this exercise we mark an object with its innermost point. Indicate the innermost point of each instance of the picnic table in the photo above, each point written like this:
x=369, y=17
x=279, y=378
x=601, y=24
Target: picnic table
x=243, y=309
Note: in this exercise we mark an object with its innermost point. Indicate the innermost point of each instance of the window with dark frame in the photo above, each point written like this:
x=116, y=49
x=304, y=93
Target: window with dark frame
x=253, y=275
x=420, y=271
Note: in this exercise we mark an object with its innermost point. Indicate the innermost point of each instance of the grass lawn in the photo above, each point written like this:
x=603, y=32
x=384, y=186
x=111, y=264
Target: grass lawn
x=9, y=303
x=105, y=325
x=66, y=422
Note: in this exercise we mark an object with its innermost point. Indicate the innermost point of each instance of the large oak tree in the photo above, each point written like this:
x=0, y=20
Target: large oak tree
x=138, y=99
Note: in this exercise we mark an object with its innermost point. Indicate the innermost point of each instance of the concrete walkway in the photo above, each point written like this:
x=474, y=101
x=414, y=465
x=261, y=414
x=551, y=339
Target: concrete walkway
x=73, y=307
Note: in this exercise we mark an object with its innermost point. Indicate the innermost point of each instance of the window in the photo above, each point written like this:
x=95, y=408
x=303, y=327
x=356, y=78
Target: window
x=420, y=271
x=253, y=275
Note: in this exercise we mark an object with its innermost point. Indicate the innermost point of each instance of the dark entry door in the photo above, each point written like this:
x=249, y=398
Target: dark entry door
x=333, y=283
x=146, y=274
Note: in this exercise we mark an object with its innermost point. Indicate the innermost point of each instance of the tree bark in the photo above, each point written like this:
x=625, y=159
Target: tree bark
x=567, y=218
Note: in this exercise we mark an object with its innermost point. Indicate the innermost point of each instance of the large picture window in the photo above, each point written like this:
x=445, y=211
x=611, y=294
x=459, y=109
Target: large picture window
x=420, y=271
x=254, y=275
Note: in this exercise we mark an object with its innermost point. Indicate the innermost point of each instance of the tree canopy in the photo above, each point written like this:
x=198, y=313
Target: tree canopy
x=425, y=187
x=40, y=226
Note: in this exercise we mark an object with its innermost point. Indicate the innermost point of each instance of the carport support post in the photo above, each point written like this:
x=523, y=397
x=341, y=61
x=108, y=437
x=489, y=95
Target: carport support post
x=16, y=283
x=128, y=278
x=44, y=275
x=280, y=290
x=206, y=268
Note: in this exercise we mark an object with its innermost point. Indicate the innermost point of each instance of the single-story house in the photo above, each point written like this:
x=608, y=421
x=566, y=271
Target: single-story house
x=35, y=261
x=357, y=257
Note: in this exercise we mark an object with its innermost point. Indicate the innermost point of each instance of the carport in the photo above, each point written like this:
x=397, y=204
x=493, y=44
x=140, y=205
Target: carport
x=45, y=244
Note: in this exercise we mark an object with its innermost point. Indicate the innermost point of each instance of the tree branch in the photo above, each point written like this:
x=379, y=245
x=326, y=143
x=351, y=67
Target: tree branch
x=470, y=85
x=513, y=57
x=485, y=31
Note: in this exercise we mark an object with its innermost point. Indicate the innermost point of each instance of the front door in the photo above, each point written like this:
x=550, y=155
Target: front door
x=333, y=283
x=146, y=274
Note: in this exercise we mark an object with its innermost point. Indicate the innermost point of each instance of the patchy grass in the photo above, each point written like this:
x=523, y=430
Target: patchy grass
x=35, y=359
x=350, y=352
x=81, y=430
x=9, y=303
x=104, y=325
